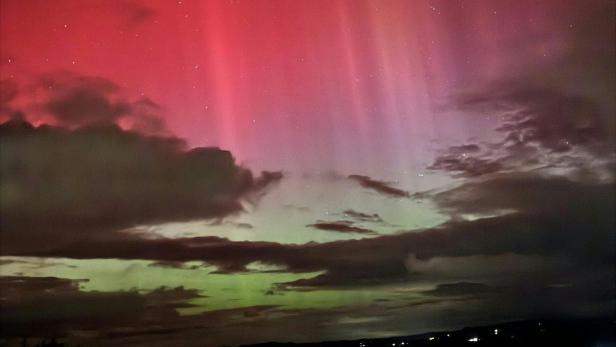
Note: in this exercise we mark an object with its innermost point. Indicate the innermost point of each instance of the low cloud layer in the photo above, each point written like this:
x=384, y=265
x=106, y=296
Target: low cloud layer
x=549, y=246
x=62, y=185
x=363, y=217
x=341, y=227
x=379, y=186
x=576, y=236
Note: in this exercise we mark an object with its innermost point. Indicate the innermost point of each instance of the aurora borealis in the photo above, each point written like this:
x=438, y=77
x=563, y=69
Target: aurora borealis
x=219, y=172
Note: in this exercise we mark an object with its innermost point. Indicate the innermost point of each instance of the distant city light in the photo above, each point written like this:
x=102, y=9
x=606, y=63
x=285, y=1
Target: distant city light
x=473, y=339
x=431, y=338
x=495, y=331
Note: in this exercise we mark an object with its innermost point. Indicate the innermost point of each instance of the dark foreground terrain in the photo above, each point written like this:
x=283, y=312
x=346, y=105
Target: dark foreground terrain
x=548, y=333
x=545, y=333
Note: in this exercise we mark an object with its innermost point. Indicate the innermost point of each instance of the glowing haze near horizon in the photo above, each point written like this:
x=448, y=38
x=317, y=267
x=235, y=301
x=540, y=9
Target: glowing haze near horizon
x=373, y=112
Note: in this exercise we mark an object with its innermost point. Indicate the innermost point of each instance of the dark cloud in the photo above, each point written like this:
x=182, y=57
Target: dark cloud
x=87, y=102
x=341, y=227
x=379, y=186
x=74, y=100
x=238, y=225
x=172, y=297
x=554, y=112
x=466, y=165
x=537, y=194
x=63, y=185
x=36, y=263
x=17, y=288
x=539, y=126
x=460, y=289
x=530, y=297
x=46, y=306
x=486, y=267
x=579, y=236
x=56, y=307
x=118, y=318
x=135, y=12
x=551, y=118
x=296, y=208
x=244, y=225
x=146, y=117
x=363, y=217
x=53, y=307
x=533, y=261
x=148, y=123
x=465, y=149
x=174, y=265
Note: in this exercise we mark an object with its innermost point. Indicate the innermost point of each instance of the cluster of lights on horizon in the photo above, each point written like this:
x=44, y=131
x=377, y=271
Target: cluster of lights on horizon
x=435, y=338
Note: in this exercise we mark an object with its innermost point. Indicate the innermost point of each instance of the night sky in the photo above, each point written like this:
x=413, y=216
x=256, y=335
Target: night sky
x=190, y=173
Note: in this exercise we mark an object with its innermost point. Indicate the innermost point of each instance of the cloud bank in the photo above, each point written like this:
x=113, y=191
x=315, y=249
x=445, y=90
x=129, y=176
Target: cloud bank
x=61, y=185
